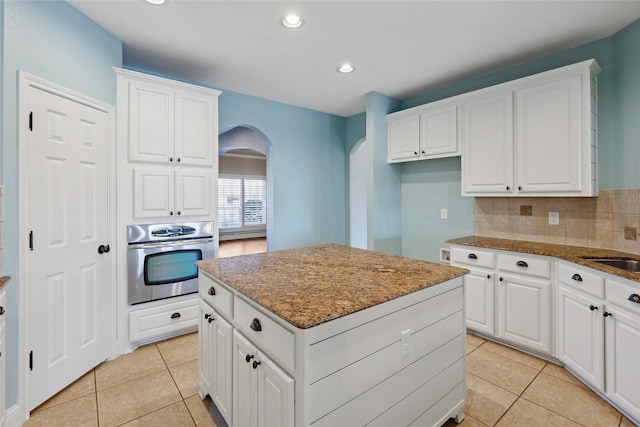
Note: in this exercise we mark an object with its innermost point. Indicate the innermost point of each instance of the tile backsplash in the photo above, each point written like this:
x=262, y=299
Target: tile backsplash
x=610, y=221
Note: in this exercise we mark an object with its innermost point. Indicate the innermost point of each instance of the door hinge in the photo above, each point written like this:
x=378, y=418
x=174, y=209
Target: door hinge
x=31, y=240
x=31, y=360
x=31, y=121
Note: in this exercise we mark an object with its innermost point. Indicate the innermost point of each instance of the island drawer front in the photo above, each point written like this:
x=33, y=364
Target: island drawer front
x=624, y=295
x=472, y=257
x=399, y=399
x=273, y=339
x=216, y=295
x=331, y=355
x=581, y=279
x=337, y=389
x=165, y=319
x=529, y=266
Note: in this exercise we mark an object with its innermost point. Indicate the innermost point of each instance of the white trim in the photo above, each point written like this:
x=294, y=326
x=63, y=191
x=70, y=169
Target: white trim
x=175, y=84
x=20, y=411
x=245, y=156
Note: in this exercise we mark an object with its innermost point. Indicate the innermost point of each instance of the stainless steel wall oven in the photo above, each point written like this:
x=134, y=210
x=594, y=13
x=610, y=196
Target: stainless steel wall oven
x=161, y=259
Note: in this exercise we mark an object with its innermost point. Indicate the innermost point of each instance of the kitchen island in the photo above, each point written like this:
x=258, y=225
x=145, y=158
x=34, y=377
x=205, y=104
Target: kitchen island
x=332, y=335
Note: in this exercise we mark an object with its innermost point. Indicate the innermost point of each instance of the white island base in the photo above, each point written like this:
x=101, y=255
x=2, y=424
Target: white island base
x=399, y=363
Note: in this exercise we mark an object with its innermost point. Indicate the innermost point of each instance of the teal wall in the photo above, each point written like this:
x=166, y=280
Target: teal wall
x=428, y=186
x=54, y=41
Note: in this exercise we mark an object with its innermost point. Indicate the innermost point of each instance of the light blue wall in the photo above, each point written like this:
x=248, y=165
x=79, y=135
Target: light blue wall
x=385, y=223
x=51, y=40
x=307, y=161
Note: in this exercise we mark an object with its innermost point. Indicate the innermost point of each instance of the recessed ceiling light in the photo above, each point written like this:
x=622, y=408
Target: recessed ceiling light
x=346, y=68
x=292, y=21
x=157, y=2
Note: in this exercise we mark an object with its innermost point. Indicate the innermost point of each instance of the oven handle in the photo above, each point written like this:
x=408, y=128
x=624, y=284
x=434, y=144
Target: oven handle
x=173, y=243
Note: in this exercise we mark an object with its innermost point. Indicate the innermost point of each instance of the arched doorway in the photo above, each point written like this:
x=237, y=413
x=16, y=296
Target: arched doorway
x=358, y=173
x=245, y=194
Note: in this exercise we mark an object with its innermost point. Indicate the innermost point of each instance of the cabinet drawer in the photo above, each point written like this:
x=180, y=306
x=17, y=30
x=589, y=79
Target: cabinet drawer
x=163, y=320
x=216, y=295
x=525, y=265
x=624, y=295
x=581, y=279
x=274, y=339
x=472, y=257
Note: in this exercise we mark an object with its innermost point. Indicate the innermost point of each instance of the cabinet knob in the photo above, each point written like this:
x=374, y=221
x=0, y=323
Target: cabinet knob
x=633, y=298
x=255, y=325
x=488, y=276
x=576, y=277
x=519, y=187
x=607, y=314
x=248, y=357
x=522, y=264
x=256, y=363
x=415, y=153
x=175, y=315
x=178, y=212
x=178, y=160
x=502, y=279
x=207, y=315
x=171, y=159
x=171, y=213
x=211, y=291
x=592, y=307
x=508, y=188
x=1, y=310
x=423, y=152
x=472, y=256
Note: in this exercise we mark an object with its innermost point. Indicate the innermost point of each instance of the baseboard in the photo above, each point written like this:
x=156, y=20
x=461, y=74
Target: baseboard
x=13, y=417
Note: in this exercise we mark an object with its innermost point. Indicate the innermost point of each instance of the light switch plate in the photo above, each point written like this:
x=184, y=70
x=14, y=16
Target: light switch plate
x=554, y=218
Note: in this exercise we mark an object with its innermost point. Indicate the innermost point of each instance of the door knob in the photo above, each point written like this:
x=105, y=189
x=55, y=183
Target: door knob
x=103, y=249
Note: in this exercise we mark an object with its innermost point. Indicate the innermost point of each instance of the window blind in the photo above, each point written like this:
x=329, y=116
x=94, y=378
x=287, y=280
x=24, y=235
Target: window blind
x=242, y=202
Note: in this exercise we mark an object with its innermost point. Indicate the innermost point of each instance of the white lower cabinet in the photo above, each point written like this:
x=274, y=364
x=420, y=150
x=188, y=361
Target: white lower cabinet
x=146, y=324
x=262, y=392
x=524, y=311
x=216, y=359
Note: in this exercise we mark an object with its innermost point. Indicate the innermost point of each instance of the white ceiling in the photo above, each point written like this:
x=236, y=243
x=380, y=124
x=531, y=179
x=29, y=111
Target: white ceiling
x=399, y=48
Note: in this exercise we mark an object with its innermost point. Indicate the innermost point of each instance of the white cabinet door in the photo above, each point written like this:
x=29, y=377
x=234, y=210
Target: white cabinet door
x=404, y=138
x=222, y=355
x=548, y=137
x=151, y=124
x=194, y=126
x=487, y=145
x=245, y=382
x=192, y=191
x=275, y=395
x=581, y=335
x=479, y=298
x=439, y=132
x=205, y=350
x=622, y=355
x=153, y=192
x=524, y=311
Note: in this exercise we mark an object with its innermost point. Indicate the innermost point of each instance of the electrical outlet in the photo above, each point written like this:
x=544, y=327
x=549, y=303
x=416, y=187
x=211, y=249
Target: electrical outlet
x=554, y=218
x=405, y=342
x=443, y=213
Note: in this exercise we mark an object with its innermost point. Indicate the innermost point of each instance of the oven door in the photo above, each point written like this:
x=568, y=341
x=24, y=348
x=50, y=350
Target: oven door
x=164, y=270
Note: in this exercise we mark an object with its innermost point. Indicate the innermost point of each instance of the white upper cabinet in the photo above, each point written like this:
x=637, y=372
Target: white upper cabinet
x=426, y=132
x=487, y=144
x=542, y=144
x=194, y=139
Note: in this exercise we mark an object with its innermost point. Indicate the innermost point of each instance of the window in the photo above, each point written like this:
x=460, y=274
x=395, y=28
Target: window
x=242, y=202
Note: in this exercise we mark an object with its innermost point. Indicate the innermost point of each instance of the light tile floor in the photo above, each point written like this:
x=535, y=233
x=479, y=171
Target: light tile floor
x=157, y=385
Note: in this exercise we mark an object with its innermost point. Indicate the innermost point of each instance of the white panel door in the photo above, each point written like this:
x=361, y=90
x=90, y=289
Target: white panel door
x=439, y=132
x=222, y=356
x=153, y=193
x=194, y=126
x=193, y=195
x=245, y=382
x=404, y=138
x=524, y=312
x=67, y=213
x=487, y=145
x=479, y=301
x=275, y=395
x=548, y=137
x=581, y=335
x=151, y=123
x=622, y=355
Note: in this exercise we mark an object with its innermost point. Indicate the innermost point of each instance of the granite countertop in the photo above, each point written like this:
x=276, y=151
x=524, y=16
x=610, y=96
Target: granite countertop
x=3, y=280
x=313, y=285
x=575, y=254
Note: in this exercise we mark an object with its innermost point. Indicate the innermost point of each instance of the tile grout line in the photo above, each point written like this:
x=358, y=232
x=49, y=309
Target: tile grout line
x=520, y=395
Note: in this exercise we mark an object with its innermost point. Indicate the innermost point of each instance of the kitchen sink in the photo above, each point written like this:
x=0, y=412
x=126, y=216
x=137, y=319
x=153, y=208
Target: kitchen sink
x=626, y=264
